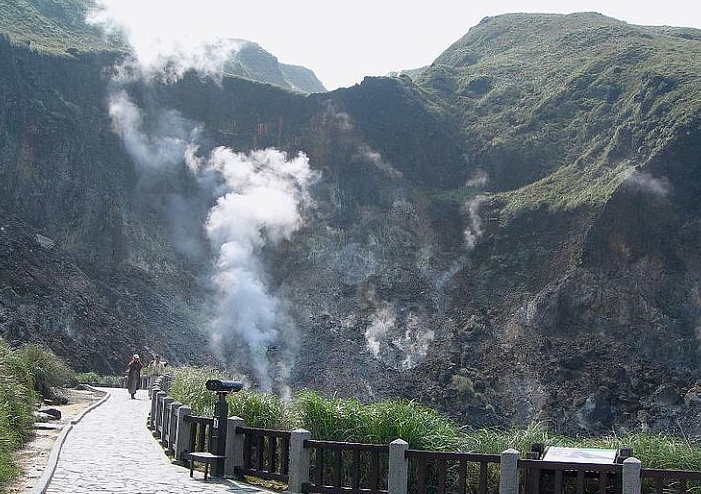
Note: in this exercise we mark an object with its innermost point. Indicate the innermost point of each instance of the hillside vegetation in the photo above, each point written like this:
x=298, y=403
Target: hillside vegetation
x=55, y=27
x=509, y=235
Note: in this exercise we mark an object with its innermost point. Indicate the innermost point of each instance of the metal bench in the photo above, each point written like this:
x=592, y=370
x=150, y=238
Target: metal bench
x=203, y=457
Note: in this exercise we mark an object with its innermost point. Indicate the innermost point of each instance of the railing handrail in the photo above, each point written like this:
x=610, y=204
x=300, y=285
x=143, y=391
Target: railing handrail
x=340, y=445
x=558, y=465
x=257, y=431
x=198, y=419
x=455, y=455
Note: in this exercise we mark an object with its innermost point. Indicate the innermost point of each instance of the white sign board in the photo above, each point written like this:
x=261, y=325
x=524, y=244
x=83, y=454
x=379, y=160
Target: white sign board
x=580, y=455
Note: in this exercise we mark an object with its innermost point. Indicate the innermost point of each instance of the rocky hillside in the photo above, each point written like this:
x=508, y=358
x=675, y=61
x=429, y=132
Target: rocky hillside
x=508, y=235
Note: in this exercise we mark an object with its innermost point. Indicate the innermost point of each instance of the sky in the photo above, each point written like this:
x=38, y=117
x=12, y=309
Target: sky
x=342, y=42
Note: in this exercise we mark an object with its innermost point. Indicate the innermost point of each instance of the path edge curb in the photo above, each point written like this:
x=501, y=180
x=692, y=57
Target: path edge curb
x=48, y=473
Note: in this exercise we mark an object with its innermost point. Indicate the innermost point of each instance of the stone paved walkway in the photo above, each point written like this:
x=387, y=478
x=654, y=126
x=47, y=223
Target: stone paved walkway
x=111, y=450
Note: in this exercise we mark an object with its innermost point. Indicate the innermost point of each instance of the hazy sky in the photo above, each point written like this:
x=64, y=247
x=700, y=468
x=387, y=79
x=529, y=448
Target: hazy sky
x=343, y=41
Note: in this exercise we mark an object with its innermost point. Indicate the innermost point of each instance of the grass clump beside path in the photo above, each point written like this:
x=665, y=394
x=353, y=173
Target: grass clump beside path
x=26, y=374
x=17, y=399
x=348, y=419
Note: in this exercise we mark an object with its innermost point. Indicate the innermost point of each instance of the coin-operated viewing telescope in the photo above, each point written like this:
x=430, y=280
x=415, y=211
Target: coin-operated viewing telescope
x=221, y=413
x=223, y=386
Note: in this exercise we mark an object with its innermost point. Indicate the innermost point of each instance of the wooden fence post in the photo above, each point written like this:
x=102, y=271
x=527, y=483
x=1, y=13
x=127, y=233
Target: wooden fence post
x=165, y=419
x=182, y=434
x=234, y=446
x=173, y=425
x=398, y=473
x=299, y=460
x=631, y=476
x=508, y=475
x=158, y=423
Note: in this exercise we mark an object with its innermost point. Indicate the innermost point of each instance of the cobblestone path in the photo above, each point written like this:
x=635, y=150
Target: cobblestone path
x=111, y=450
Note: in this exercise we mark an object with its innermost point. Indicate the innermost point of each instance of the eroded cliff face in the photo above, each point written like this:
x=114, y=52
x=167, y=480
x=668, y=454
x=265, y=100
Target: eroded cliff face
x=594, y=309
x=442, y=248
x=65, y=177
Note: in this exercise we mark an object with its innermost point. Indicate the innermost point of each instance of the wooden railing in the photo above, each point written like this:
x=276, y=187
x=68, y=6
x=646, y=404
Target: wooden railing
x=444, y=472
x=200, y=432
x=312, y=466
x=657, y=481
x=265, y=453
x=350, y=468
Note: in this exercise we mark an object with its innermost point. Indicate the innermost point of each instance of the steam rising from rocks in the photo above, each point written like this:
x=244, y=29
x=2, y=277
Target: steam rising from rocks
x=644, y=182
x=156, y=150
x=258, y=200
x=400, y=341
x=473, y=231
x=264, y=195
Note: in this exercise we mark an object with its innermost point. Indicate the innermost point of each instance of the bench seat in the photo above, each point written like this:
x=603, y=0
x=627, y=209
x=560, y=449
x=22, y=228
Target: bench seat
x=203, y=457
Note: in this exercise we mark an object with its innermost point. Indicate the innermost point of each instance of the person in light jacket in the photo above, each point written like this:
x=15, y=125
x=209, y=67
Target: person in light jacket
x=155, y=369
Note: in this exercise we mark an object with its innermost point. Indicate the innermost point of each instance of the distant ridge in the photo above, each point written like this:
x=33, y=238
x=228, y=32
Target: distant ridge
x=255, y=63
x=59, y=28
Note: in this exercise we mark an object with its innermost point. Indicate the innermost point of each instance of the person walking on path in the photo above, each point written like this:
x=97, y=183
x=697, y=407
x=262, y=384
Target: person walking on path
x=155, y=369
x=157, y=366
x=134, y=374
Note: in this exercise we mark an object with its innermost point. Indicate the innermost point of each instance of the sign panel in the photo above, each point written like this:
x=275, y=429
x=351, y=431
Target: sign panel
x=580, y=455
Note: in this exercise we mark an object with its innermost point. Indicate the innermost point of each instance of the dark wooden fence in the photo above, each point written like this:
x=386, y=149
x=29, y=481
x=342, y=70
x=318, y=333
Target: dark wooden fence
x=657, y=481
x=451, y=472
x=351, y=468
x=200, y=432
x=545, y=477
x=265, y=453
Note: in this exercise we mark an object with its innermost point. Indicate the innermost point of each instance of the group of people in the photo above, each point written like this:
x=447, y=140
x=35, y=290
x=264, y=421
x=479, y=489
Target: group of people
x=156, y=368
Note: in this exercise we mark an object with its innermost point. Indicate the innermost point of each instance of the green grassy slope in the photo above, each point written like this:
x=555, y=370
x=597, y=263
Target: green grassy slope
x=559, y=109
x=52, y=26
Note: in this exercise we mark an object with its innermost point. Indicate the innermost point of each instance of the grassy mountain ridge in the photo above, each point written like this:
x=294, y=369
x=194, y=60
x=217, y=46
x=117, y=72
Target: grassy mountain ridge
x=255, y=63
x=583, y=126
x=557, y=90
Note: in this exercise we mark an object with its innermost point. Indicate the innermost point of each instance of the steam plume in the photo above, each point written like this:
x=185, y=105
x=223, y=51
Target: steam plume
x=265, y=193
x=644, y=182
x=399, y=341
x=473, y=231
x=258, y=197
x=165, y=51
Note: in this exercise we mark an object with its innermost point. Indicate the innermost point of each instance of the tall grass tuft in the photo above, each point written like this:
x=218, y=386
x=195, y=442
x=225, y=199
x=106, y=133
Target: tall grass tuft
x=262, y=410
x=47, y=369
x=494, y=441
x=420, y=426
x=332, y=419
x=188, y=386
x=17, y=396
x=657, y=450
x=17, y=399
